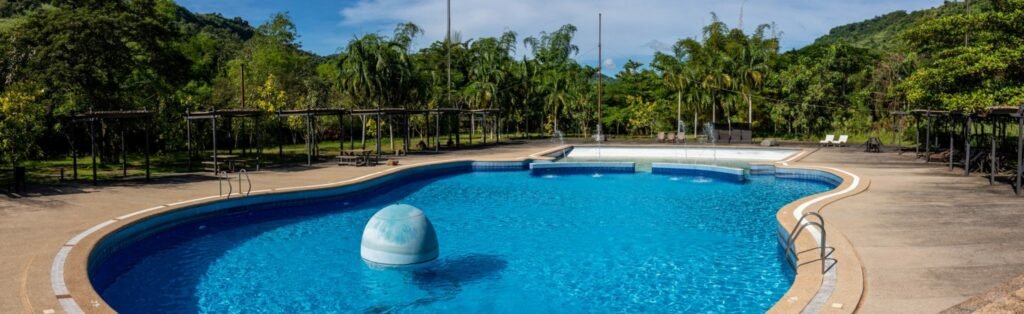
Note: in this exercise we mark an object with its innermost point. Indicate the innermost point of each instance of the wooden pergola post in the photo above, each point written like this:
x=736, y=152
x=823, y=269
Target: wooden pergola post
x=916, y=136
x=341, y=133
x=213, y=129
x=74, y=152
x=928, y=138
x=92, y=142
x=280, y=138
x=951, y=145
x=1020, y=147
x=124, y=155
x=967, y=145
x=146, y=151
x=188, y=140
x=437, y=130
x=992, y=155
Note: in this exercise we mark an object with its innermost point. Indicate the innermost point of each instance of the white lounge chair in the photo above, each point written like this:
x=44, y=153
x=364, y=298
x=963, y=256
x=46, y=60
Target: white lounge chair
x=842, y=141
x=828, y=140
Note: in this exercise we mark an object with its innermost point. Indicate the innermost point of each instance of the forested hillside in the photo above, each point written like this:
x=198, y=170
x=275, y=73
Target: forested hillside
x=62, y=58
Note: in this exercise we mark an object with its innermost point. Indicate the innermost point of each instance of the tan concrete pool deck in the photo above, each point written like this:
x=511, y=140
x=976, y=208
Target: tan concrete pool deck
x=928, y=237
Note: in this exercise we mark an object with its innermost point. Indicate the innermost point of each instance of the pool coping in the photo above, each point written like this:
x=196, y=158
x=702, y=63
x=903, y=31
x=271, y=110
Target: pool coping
x=70, y=281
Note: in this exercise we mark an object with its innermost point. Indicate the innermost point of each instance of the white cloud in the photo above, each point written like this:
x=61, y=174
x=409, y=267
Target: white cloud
x=609, y=64
x=631, y=28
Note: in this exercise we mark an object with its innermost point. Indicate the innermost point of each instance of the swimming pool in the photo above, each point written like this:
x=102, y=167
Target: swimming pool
x=511, y=241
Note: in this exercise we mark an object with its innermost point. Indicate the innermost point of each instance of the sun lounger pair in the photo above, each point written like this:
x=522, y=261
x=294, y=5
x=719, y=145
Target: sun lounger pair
x=830, y=140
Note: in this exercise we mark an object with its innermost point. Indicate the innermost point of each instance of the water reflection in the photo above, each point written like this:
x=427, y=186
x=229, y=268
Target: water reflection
x=443, y=279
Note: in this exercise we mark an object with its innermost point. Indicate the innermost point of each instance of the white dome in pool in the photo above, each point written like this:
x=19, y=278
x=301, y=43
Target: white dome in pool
x=399, y=235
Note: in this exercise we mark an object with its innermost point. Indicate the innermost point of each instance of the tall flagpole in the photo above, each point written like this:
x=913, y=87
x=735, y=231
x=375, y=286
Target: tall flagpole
x=600, y=79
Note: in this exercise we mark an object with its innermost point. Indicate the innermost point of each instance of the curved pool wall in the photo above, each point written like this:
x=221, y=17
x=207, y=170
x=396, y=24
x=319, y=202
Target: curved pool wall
x=625, y=152
x=155, y=224
x=541, y=168
x=144, y=227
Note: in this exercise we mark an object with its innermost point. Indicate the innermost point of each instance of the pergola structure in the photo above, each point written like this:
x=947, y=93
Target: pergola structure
x=405, y=114
x=929, y=116
x=483, y=119
x=92, y=117
x=311, y=133
x=226, y=114
x=974, y=134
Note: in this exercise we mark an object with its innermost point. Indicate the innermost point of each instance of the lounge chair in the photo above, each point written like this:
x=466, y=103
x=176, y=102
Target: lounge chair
x=842, y=141
x=671, y=137
x=829, y=138
x=681, y=137
x=661, y=136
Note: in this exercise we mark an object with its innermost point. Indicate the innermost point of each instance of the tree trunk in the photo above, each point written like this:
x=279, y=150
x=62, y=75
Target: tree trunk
x=362, y=120
x=679, y=112
x=694, y=121
x=750, y=110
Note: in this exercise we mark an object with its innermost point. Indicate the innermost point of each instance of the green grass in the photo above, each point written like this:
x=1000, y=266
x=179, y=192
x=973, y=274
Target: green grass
x=48, y=171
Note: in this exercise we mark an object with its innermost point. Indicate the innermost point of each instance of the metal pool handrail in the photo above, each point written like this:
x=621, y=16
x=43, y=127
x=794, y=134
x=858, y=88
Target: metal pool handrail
x=793, y=257
x=222, y=177
x=247, y=179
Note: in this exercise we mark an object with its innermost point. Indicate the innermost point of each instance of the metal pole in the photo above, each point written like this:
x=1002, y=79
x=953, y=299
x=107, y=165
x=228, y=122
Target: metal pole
x=600, y=78
x=448, y=50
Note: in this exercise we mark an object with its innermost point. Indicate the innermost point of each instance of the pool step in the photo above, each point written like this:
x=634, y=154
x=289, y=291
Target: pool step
x=711, y=171
x=582, y=167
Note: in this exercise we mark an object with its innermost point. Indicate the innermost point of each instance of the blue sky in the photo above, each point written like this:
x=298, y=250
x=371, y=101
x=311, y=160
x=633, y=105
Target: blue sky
x=633, y=29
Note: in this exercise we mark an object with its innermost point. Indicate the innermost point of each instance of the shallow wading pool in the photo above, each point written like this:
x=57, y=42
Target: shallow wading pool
x=510, y=241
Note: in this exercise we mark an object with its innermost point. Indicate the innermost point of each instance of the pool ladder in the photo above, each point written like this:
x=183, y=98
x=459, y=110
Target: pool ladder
x=223, y=178
x=825, y=252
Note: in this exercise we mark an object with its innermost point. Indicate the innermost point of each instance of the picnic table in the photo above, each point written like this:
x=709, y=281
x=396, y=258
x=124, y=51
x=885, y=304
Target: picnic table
x=228, y=160
x=355, y=157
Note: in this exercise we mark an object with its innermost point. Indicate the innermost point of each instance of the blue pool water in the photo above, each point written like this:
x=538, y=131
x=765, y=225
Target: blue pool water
x=510, y=242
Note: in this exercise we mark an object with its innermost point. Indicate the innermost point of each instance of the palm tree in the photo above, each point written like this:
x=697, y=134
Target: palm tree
x=378, y=71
